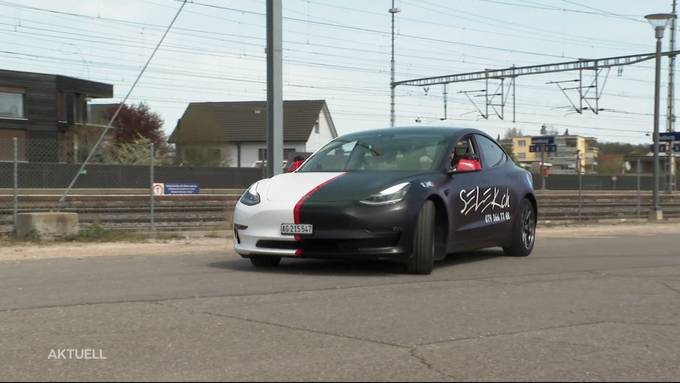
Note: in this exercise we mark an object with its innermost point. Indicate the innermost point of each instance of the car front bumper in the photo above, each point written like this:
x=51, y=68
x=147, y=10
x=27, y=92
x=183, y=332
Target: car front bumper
x=341, y=230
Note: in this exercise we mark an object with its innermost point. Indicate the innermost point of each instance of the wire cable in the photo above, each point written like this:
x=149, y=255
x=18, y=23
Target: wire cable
x=120, y=106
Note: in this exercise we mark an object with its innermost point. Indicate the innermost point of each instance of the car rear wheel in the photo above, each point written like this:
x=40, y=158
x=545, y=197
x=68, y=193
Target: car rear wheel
x=422, y=258
x=265, y=261
x=523, y=232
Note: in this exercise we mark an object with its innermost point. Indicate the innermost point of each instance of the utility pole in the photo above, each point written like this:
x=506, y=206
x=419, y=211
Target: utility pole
x=392, y=11
x=446, y=102
x=152, y=198
x=670, y=113
x=543, y=148
x=659, y=21
x=580, y=182
x=274, y=89
x=655, y=213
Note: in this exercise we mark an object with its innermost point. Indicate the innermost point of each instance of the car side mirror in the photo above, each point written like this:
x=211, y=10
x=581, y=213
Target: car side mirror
x=466, y=166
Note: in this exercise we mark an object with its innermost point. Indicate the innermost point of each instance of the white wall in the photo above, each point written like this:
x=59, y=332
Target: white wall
x=317, y=140
x=249, y=151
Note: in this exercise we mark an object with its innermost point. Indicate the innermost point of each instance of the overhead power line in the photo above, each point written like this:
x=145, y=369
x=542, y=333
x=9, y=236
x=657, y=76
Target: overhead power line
x=605, y=12
x=546, y=7
x=496, y=99
x=120, y=106
x=384, y=33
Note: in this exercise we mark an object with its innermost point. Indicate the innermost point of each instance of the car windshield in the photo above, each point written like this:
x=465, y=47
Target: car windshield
x=383, y=152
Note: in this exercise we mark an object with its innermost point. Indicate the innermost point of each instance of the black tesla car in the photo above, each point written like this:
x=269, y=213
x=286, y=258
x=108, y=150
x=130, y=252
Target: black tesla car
x=411, y=195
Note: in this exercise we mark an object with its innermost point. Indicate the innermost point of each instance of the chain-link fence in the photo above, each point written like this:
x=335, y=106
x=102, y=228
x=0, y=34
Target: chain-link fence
x=116, y=189
x=9, y=156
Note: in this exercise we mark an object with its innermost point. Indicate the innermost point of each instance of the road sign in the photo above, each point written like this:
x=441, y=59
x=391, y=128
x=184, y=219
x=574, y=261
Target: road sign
x=158, y=189
x=181, y=189
x=669, y=136
x=546, y=148
x=540, y=140
x=664, y=147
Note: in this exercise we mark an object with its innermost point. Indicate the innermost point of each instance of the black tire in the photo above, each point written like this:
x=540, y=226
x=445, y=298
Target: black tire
x=265, y=260
x=523, y=231
x=422, y=258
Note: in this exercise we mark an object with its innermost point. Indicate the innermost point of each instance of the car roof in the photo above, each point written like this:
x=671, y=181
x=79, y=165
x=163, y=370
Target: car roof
x=453, y=131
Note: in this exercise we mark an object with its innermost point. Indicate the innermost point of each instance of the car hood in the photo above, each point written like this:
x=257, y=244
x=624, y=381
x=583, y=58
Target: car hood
x=293, y=186
x=335, y=187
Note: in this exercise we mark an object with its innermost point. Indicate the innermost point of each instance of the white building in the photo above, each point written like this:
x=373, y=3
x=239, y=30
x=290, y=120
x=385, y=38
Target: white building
x=233, y=133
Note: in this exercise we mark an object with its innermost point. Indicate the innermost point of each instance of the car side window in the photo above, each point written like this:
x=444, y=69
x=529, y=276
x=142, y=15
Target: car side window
x=492, y=154
x=463, y=150
x=336, y=157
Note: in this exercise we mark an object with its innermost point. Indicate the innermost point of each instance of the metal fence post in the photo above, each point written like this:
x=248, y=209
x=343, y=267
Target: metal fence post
x=152, y=200
x=638, y=188
x=580, y=182
x=15, y=202
x=542, y=167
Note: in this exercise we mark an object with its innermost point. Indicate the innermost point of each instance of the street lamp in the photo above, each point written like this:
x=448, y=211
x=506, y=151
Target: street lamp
x=659, y=22
x=393, y=11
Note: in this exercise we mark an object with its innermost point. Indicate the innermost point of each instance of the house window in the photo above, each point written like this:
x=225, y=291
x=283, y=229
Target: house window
x=12, y=103
x=522, y=143
x=287, y=153
x=79, y=108
x=316, y=127
x=61, y=107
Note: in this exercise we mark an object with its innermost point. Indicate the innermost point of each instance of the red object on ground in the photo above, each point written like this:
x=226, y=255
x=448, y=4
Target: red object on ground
x=468, y=165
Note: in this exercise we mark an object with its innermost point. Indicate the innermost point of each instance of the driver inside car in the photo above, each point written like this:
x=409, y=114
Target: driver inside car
x=463, y=159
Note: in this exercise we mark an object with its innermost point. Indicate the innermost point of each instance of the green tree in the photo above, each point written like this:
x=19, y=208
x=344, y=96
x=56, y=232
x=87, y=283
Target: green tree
x=134, y=121
x=136, y=152
x=512, y=132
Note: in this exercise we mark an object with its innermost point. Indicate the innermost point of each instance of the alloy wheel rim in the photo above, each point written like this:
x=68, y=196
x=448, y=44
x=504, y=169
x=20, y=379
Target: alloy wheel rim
x=528, y=227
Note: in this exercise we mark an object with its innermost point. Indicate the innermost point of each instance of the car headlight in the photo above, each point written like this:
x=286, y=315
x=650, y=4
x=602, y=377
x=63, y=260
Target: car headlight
x=251, y=196
x=388, y=196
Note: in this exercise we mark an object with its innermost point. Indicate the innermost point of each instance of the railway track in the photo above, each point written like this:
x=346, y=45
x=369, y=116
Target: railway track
x=214, y=211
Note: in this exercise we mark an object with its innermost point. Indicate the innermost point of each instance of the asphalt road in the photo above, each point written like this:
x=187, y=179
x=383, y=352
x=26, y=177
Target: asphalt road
x=580, y=308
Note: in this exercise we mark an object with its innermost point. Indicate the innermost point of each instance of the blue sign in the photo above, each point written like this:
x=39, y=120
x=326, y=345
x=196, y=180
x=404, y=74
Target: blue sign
x=541, y=147
x=180, y=189
x=539, y=140
x=664, y=148
x=669, y=136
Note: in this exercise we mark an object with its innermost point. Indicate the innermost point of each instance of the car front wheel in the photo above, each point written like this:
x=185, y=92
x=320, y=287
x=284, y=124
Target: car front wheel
x=422, y=258
x=524, y=232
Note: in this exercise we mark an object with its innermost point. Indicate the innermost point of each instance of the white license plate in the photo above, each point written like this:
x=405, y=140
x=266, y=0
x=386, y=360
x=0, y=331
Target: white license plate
x=293, y=228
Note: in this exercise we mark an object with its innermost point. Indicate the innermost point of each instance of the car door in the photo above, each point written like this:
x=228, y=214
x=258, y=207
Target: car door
x=464, y=197
x=496, y=211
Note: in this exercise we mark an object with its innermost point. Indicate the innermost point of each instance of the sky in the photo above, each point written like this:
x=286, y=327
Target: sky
x=340, y=52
